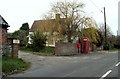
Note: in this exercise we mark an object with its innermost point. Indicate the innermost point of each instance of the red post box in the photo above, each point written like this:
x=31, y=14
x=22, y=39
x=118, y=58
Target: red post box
x=85, y=45
x=78, y=47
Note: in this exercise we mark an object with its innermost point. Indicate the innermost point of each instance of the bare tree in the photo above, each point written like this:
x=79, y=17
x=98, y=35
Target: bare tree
x=72, y=19
x=71, y=12
x=102, y=30
x=111, y=39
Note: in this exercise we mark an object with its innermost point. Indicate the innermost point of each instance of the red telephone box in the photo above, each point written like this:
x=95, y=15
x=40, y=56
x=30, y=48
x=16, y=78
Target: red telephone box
x=85, y=45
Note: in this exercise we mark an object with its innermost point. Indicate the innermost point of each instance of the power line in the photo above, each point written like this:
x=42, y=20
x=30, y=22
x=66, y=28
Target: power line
x=96, y=6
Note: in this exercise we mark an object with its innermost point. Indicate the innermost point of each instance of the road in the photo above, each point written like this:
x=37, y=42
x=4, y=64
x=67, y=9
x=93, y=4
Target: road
x=99, y=65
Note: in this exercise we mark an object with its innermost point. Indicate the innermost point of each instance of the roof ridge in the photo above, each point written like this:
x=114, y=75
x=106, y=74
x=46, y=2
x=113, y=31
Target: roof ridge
x=44, y=19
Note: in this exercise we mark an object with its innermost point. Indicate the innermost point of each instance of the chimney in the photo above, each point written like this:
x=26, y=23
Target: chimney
x=57, y=17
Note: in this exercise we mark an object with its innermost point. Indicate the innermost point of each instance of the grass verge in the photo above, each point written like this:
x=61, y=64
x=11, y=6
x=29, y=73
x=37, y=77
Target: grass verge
x=13, y=65
x=107, y=51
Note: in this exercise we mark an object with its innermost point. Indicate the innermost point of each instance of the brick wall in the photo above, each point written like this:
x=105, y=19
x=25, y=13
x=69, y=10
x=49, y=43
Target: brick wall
x=4, y=49
x=65, y=48
x=0, y=35
x=3, y=36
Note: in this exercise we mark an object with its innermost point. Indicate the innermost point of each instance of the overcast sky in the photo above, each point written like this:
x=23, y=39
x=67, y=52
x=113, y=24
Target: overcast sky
x=17, y=12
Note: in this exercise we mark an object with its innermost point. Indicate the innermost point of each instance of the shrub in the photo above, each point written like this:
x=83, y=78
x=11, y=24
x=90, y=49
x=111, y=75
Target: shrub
x=38, y=41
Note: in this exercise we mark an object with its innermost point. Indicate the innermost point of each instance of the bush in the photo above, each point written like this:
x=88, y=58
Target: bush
x=38, y=41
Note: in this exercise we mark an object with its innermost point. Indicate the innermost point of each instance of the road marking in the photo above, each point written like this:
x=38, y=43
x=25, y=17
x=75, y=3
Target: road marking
x=117, y=64
x=69, y=74
x=106, y=74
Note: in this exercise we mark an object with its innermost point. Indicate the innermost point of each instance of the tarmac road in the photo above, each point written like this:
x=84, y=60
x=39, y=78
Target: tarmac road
x=99, y=65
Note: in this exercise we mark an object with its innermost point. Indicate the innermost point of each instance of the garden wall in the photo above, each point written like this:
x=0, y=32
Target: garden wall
x=62, y=48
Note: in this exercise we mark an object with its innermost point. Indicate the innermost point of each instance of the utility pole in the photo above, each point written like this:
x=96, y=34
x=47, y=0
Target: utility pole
x=105, y=43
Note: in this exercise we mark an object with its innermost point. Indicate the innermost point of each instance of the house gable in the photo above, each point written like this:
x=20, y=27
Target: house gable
x=3, y=23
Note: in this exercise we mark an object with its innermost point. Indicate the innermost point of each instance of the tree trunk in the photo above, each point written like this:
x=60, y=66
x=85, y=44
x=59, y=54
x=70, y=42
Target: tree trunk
x=69, y=38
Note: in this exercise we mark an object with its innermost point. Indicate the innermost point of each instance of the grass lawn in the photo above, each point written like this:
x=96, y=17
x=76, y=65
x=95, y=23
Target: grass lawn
x=47, y=51
x=13, y=65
